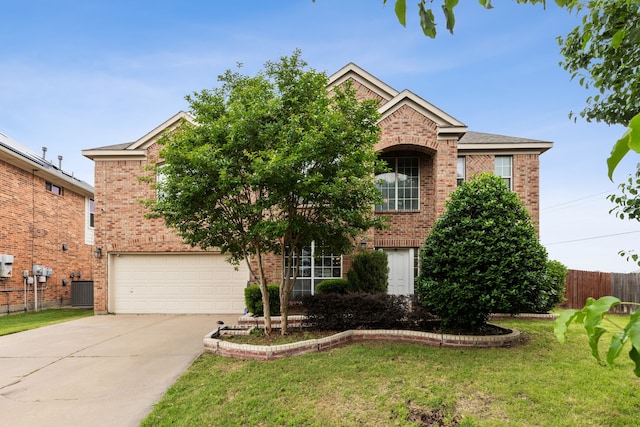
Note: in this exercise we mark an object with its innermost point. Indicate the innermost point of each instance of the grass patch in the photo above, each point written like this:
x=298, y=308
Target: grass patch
x=541, y=383
x=35, y=319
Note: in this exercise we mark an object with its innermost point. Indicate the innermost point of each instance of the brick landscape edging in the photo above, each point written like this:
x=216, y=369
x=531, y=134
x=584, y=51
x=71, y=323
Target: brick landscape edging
x=266, y=352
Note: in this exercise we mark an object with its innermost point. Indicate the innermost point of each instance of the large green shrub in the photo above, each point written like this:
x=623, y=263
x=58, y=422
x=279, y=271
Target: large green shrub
x=332, y=286
x=482, y=257
x=369, y=272
x=253, y=299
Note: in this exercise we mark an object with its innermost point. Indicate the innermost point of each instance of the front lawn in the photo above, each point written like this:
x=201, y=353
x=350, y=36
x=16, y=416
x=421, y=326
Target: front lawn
x=12, y=323
x=541, y=383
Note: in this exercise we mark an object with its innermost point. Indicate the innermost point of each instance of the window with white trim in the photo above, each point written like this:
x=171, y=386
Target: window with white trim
x=316, y=264
x=89, y=220
x=400, y=187
x=461, y=170
x=160, y=179
x=92, y=213
x=503, y=169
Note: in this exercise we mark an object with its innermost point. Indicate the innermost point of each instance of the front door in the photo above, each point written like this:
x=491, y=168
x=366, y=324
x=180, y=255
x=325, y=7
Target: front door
x=400, y=271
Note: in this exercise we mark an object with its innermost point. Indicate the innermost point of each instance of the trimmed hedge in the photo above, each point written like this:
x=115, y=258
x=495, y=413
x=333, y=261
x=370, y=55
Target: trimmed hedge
x=253, y=299
x=332, y=286
x=364, y=311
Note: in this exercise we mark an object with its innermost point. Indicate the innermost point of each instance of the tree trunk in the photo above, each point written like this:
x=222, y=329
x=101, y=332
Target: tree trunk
x=265, y=295
x=286, y=286
x=284, y=311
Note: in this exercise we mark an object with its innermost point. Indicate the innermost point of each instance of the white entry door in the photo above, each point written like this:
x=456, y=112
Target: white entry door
x=400, y=271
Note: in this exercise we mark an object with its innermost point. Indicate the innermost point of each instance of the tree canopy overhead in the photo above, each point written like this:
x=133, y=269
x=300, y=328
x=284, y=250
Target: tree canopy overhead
x=272, y=163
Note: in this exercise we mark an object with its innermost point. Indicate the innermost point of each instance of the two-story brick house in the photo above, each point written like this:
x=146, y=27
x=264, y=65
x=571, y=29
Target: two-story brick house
x=46, y=220
x=146, y=267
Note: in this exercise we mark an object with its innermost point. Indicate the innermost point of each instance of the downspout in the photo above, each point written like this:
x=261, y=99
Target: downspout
x=33, y=237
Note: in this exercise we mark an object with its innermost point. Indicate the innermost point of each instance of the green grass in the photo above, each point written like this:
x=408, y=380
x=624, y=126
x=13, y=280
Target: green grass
x=35, y=319
x=540, y=383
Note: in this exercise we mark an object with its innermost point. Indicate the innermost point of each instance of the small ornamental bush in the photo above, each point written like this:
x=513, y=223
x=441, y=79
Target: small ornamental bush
x=482, y=257
x=554, y=287
x=253, y=299
x=332, y=286
x=369, y=272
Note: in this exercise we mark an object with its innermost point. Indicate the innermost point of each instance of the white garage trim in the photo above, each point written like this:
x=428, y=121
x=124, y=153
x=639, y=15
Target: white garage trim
x=177, y=283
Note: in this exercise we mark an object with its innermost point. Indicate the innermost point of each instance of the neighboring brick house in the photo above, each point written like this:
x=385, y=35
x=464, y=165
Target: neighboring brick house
x=146, y=268
x=45, y=220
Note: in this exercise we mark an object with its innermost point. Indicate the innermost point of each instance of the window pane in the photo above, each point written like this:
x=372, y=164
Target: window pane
x=400, y=187
x=316, y=265
x=502, y=168
x=461, y=170
x=91, y=212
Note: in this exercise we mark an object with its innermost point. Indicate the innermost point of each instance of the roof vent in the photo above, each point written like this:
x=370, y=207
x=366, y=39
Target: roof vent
x=44, y=152
x=59, y=162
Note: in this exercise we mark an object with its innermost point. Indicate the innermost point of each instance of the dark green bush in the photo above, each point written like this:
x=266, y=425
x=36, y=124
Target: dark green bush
x=363, y=310
x=482, y=257
x=253, y=299
x=369, y=272
x=332, y=286
x=553, y=287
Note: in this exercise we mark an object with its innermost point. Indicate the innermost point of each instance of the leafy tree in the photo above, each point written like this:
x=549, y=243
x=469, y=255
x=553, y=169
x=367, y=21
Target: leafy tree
x=271, y=164
x=482, y=257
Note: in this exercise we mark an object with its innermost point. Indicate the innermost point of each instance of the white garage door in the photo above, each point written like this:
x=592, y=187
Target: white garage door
x=176, y=283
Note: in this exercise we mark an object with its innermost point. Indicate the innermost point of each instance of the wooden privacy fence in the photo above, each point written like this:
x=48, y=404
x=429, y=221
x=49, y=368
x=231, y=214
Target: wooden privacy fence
x=581, y=285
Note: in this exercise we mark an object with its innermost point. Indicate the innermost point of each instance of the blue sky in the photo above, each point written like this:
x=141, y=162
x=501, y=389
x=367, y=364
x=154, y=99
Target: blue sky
x=77, y=75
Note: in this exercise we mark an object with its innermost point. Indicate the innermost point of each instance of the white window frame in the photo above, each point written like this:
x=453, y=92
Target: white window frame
x=396, y=202
x=160, y=178
x=461, y=170
x=89, y=230
x=316, y=272
x=503, y=167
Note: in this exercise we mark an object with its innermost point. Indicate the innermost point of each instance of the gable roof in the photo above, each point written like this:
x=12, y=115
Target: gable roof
x=448, y=126
x=16, y=154
x=137, y=148
x=352, y=71
x=489, y=141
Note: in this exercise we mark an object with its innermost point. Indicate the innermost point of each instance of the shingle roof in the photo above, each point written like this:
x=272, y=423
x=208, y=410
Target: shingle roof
x=490, y=138
x=114, y=146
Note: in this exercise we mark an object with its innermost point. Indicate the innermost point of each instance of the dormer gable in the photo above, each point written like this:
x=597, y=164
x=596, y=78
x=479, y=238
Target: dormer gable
x=391, y=100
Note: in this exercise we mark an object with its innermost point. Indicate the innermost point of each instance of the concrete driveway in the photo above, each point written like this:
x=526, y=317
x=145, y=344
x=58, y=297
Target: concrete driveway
x=97, y=371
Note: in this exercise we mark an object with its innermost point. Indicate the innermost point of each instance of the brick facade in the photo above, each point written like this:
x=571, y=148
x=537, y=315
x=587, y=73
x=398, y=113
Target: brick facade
x=35, y=223
x=411, y=127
